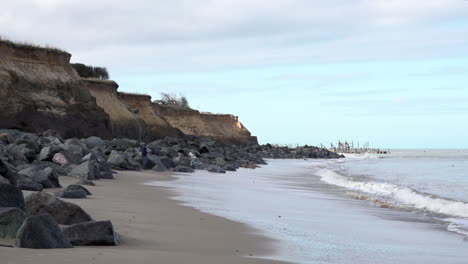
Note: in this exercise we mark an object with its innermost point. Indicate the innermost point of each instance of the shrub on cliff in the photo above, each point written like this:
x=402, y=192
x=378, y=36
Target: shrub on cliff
x=174, y=100
x=86, y=71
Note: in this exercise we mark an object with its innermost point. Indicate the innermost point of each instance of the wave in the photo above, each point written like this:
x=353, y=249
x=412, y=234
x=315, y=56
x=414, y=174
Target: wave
x=398, y=196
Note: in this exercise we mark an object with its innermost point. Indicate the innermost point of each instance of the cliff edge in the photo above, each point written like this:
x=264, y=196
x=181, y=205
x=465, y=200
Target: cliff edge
x=40, y=91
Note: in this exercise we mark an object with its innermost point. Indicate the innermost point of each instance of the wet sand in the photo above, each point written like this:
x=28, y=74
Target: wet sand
x=153, y=229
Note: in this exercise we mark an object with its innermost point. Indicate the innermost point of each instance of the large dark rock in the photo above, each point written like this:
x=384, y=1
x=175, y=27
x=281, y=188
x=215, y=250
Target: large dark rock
x=11, y=196
x=158, y=165
x=87, y=170
x=21, y=154
x=46, y=176
x=73, y=191
x=216, y=169
x=78, y=187
x=73, y=152
x=71, y=194
x=183, y=169
x=94, y=233
x=167, y=162
x=11, y=219
x=122, y=161
x=4, y=180
x=41, y=232
x=26, y=184
x=64, y=213
x=94, y=142
x=47, y=153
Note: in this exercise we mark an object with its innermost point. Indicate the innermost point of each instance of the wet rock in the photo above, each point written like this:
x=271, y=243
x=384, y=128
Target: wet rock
x=4, y=180
x=74, y=187
x=46, y=176
x=87, y=170
x=94, y=233
x=72, y=152
x=47, y=153
x=121, y=161
x=181, y=168
x=11, y=219
x=167, y=162
x=41, y=232
x=11, y=196
x=64, y=213
x=216, y=169
x=71, y=194
x=94, y=142
x=26, y=184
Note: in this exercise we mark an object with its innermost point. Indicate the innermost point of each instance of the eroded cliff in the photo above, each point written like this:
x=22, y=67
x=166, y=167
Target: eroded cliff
x=39, y=90
x=215, y=126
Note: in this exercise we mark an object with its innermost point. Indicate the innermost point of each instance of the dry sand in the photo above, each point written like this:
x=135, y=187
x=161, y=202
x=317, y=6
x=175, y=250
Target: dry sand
x=152, y=228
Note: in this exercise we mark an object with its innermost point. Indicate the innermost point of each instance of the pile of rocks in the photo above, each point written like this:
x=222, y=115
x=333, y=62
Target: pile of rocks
x=43, y=221
x=34, y=162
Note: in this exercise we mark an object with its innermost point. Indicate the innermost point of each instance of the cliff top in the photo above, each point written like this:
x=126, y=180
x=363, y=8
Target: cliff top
x=30, y=46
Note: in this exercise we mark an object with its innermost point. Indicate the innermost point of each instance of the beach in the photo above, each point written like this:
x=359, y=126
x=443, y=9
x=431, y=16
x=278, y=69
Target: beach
x=153, y=229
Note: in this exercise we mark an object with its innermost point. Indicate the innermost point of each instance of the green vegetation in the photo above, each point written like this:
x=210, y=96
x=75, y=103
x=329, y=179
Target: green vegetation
x=171, y=99
x=27, y=45
x=86, y=71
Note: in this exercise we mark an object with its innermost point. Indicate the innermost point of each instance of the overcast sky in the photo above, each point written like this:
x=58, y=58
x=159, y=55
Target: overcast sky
x=392, y=72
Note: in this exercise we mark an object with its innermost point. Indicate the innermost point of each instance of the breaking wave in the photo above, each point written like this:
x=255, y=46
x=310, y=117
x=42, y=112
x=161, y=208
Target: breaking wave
x=398, y=196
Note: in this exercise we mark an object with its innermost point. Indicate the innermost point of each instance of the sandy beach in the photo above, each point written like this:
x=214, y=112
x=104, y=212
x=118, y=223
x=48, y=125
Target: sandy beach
x=152, y=228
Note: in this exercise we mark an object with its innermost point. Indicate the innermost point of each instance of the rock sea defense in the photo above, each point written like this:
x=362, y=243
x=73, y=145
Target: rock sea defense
x=11, y=196
x=11, y=219
x=64, y=213
x=41, y=232
x=73, y=192
x=97, y=233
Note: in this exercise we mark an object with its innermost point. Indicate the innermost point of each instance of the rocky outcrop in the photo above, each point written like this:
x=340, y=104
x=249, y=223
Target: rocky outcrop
x=41, y=91
x=41, y=232
x=206, y=125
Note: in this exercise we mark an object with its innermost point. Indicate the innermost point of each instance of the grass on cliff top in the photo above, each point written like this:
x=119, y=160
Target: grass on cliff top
x=28, y=45
x=95, y=80
x=135, y=94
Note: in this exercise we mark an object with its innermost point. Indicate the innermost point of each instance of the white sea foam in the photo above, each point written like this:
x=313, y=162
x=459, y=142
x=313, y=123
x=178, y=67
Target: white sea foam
x=400, y=196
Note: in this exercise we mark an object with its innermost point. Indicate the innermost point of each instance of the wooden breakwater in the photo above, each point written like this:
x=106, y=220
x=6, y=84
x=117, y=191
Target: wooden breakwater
x=350, y=148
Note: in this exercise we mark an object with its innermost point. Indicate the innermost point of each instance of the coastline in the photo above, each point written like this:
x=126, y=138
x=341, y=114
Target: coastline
x=153, y=228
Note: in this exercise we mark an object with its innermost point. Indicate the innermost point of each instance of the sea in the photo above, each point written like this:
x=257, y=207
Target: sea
x=409, y=206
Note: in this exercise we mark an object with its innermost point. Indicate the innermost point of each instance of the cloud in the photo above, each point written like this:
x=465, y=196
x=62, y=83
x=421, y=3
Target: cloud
x=143, y=35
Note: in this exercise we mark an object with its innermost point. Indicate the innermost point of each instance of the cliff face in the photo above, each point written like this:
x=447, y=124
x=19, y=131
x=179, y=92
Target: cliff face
x=141, y=107
x=39, y=90
x=215, y=126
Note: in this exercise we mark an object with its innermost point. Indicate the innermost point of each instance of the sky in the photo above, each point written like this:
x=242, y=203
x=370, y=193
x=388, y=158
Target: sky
x=393, y=73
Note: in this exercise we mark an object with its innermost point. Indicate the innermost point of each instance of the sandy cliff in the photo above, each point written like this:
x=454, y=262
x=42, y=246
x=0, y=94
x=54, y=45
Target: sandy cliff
x=216, y=126
x=129, y=115
x=39, y=90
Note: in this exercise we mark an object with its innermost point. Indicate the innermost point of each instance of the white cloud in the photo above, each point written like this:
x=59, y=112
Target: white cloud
x=142, y=35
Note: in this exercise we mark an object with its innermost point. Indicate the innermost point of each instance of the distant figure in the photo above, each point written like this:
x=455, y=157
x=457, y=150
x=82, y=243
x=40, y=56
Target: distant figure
x=193, y=160
x=144, y=155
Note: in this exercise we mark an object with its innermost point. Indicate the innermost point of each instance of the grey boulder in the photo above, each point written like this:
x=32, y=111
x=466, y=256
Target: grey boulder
x=11, y=196
x=11, y=219
x=64, y=213
x=181, y=168
x=41, y=232
x=93, y=233
x=46, y=176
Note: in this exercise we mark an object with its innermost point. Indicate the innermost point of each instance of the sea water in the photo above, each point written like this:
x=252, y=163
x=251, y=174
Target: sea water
x=406, y=207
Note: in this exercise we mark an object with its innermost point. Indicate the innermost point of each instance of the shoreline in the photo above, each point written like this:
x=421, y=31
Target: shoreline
x=153, y=228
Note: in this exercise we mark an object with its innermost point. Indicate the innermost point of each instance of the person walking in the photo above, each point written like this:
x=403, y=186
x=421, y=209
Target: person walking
x=144, y=155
